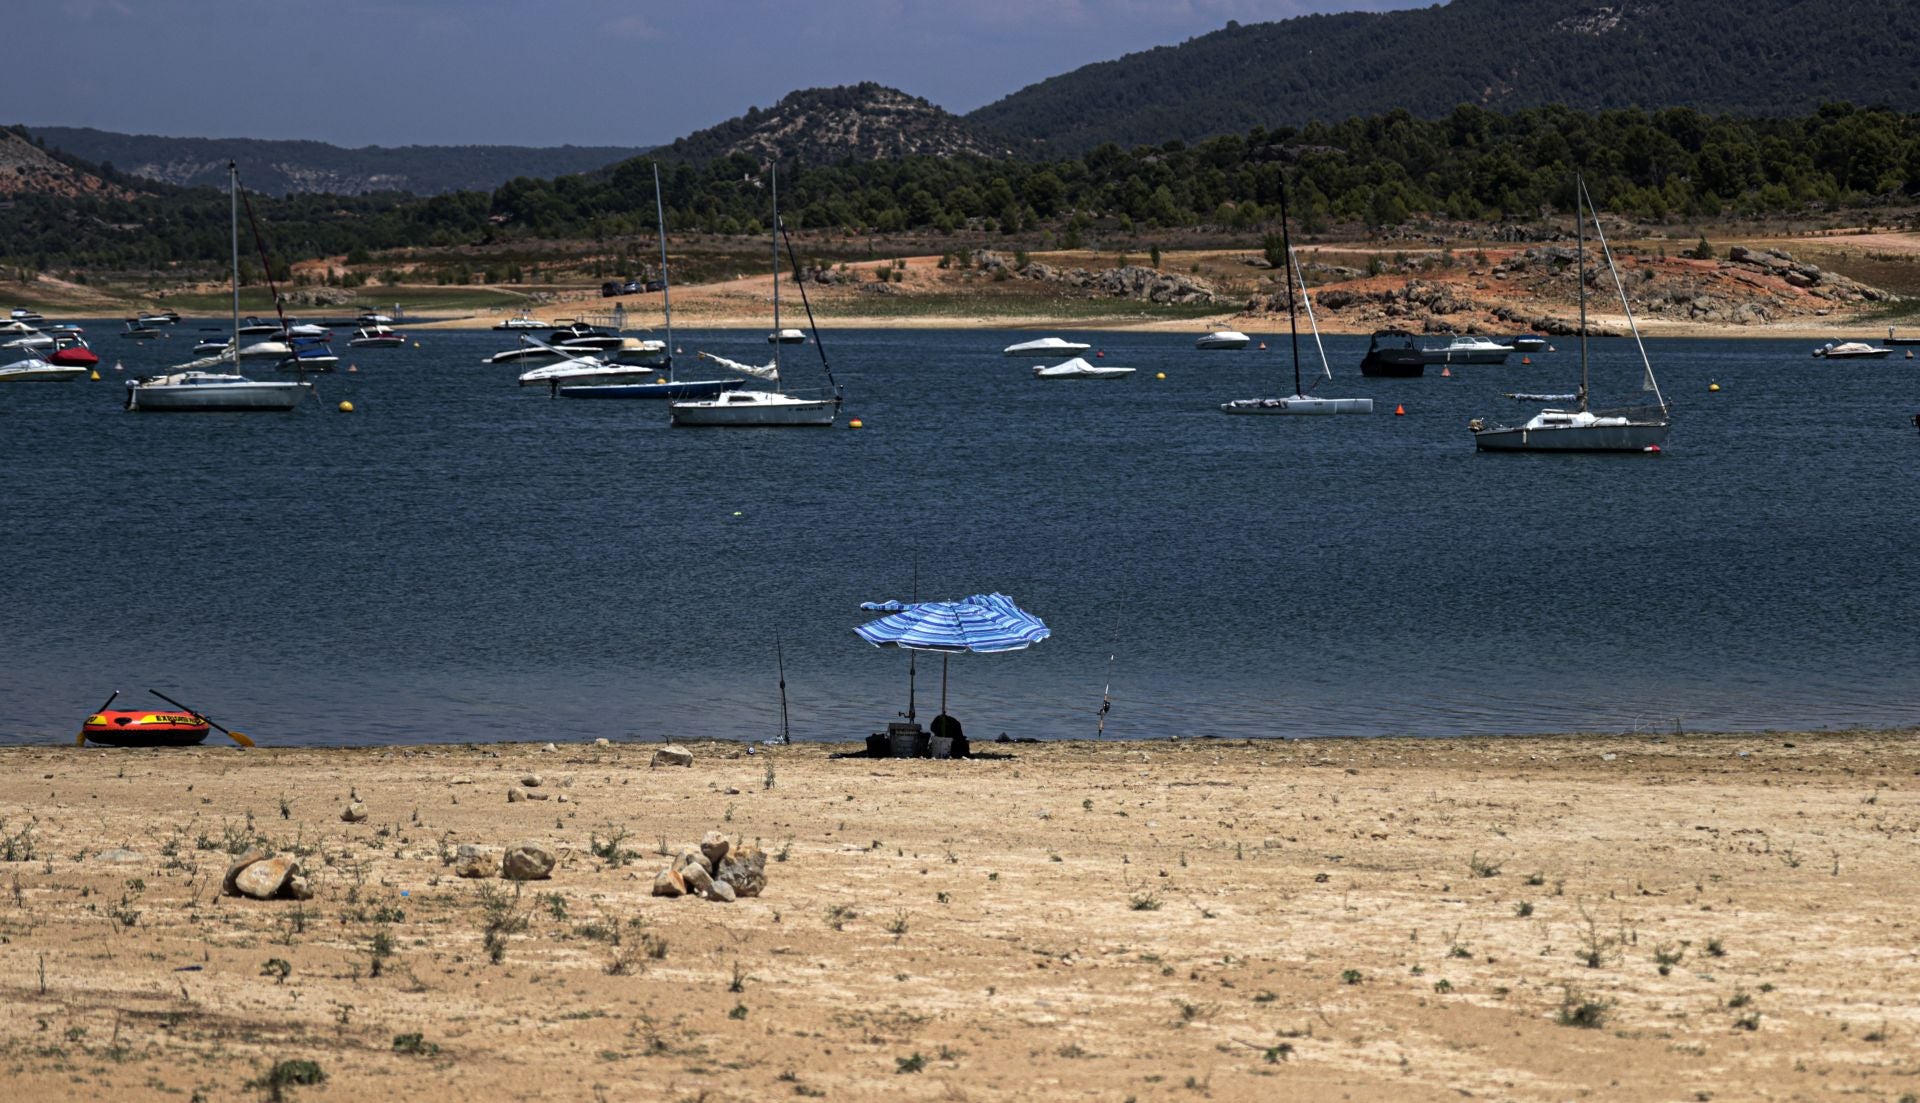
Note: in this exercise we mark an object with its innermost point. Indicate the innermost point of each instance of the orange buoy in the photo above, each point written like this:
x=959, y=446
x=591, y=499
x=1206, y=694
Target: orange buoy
x=1101, y=355
x=1446, y=373
x=1263, y=347
x=1399, y=411
x=1526, y=359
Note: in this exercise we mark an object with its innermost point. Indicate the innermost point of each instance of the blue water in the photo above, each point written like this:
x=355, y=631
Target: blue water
x=464, y=559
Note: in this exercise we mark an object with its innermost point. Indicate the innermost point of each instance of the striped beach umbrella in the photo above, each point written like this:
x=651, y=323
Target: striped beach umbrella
x=982, y=623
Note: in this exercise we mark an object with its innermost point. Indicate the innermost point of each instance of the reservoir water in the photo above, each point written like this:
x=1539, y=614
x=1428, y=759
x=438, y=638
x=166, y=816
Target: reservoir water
x=462, y=559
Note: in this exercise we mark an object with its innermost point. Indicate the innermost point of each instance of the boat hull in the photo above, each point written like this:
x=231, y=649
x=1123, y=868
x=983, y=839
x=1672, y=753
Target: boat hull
x=50, y=373
x=1632, y=437
x=377, y=342
x=1298, y=406
x=812, y=414
x=137, y=729
x=216, y=398
x=687, y=389
x=1394, y=364
x=636, y=376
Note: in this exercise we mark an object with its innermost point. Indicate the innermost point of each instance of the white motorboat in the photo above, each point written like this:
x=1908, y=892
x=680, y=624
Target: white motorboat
x=192, y=387
x=584, y=370
x=522, y=321
x=787, y=337
x=636, y=351
x=1581, y=429
x=377, y=336
x=1046, y=346
x=35, y=370
x=744, y=408
x=1851, y=350
x=1468, y=349
x=266, y=350
x=1299, y=402
x=25, y=316
x=254, y=327
x=1077, y=368
x=212, y=344
x=1224, y=339
x=25, y=338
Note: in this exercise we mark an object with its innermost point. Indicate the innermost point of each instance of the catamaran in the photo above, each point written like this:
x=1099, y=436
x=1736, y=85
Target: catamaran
x=1581, y=429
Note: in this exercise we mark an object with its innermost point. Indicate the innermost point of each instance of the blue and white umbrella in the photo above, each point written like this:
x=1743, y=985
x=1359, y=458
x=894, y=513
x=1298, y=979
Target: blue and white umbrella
x=982, y=623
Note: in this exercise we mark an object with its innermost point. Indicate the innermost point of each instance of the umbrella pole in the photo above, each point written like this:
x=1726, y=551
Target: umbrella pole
x=911, y=657
x=943, y=682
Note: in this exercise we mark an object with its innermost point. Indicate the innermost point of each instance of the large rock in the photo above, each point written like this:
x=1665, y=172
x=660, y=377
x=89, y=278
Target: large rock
x=264, y=879
x=528, y=861
x=298, y=887
x=720, y=892
x=714, y=845
x=515, y=796
x=745, y=870
x=354, y=813
x=227, y=884
x=475, y=861
x=669, y=884
x=672, y=756
x=697, y=879
x=692, y=857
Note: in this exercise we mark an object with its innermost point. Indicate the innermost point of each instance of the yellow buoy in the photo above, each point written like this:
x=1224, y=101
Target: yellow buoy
x=346, y=407
x=416, y=344
x=1159, y=375
x=736, y=513
x=95, y=376
x=855, y=423
x=1713, y=386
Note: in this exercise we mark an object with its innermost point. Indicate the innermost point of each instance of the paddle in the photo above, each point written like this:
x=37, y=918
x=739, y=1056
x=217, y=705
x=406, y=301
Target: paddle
x=81, y=739
x=233, y=735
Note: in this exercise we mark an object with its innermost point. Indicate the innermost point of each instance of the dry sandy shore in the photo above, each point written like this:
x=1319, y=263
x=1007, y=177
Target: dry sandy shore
x=1404, y=920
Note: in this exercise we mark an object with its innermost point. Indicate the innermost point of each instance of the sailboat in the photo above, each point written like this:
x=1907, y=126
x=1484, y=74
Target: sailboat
x=1300, y=402
x=766, y=408
x=669, y=387
x=191, y=386
x=1582, y=429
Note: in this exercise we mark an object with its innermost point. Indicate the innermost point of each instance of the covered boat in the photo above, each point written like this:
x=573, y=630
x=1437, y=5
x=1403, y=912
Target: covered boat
x=1077, y=368
x=1392, y=353
x=138, y=728
x=1045, y=346
x=1224, y=339
x=1851, y=350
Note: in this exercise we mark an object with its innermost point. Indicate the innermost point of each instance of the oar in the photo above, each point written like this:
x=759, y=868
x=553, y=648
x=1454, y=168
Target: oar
x=81, y=739
x=233, y=735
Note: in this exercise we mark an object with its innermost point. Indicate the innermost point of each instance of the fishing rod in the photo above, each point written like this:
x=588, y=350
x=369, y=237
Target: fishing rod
x=786, y=735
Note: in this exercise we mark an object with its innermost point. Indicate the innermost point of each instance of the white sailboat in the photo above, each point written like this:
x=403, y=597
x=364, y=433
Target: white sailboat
x=191, y=386
x=1582, y=429
x=753, y=408
x=1299, y=402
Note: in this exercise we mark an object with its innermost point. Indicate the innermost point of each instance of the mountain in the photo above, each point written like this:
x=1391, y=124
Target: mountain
x=1746, y=57
x=863, y=122
x=285, y=167
x=26, y=169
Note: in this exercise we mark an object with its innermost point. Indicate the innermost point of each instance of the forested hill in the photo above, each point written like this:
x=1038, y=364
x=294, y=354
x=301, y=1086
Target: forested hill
x=1745, y=57
x=285, y=167
x=863, y=122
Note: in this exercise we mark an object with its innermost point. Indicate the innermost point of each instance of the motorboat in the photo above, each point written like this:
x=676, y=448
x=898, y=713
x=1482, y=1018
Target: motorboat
x=1046, y=346
x=254, y=327
x=310, y=354
x=36, y=370
x=26, y=317
x=377, y=336
x=26, y=339
x=1077, y=368
x=265, y=350
x=1224, y=339
x=755, y=408
x=1392, y=353
x=140, y=332
x=786, y=337
x=1851, y=350
x=72, y=352
x=212, y=344
x=195, y=386
x=584, y=369
x=1468, y=349
x=165, y=318
x=1582, y=429
x=522, y=322
x=296, y=331
x=635, y=350
x=1528, y=342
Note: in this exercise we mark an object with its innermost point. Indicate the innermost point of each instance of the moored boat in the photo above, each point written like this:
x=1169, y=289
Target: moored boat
x=1468, y=349
x=36, y=370
x=1226, y=339
x=1392, y=353
x=1077, y=368
x=1046, y=346
x=377, y=336
x=1851, y=350
x=144, y=728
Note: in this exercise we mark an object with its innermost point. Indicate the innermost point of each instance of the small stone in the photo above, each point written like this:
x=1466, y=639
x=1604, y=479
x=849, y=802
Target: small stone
x=515, y=796
x=692, y=857
x=264, y=879
x=668, y=883
x=720, y=892
x=298, y=888
x=696, y=878
x=565, y=799
x=461, y=779
x=548, y=749
x=354, y=813
x=603, y=741
x=672, y=756
x=531, y=781
x=528, y=861
x=714, y=845
x=119, y=856
x=239, y=866
x=745, y=870
x=475, y=861
x=535, y=794
x=1608, y=757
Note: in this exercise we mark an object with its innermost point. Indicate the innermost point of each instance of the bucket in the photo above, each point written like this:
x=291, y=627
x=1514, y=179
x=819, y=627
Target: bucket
x=907, y=744
x=941, y=746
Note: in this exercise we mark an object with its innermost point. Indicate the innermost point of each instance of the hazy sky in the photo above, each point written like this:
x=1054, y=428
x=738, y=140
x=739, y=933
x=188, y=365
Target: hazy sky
x=588, y=72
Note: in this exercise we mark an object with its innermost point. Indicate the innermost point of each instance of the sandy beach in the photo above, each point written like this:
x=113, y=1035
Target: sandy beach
x=1674, y=917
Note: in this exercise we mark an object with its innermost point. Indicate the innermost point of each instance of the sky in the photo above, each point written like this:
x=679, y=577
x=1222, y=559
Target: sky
x=581, y=72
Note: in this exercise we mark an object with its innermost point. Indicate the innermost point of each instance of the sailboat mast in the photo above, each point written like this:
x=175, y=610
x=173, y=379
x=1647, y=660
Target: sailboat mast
x=1580, y=229
x=776, y=266
x=233, y=226
x=1293, y=325
x=666, y=281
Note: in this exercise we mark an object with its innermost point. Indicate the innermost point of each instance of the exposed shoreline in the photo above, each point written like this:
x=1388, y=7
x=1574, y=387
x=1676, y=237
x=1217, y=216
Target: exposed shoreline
x=1364, y=918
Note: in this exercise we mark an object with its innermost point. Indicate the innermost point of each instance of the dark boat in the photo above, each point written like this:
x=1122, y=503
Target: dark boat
x=1529, y=342
x=1401, y=360
x=1894, y=340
